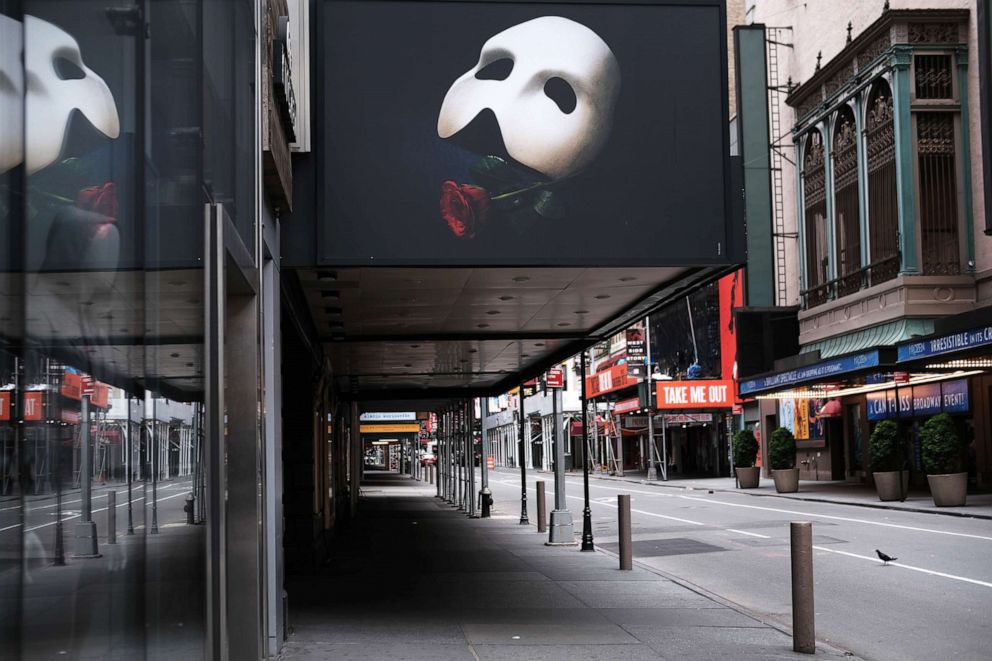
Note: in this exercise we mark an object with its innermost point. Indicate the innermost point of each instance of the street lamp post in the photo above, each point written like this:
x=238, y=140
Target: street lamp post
x=484, y=494
x=523, y=464
x=562, y=531
x=587, y=544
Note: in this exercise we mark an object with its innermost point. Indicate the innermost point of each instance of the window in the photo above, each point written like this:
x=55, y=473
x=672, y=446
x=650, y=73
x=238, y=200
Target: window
x=847, y=229
x=815, y=220
x=883, y=209
x=938, y=197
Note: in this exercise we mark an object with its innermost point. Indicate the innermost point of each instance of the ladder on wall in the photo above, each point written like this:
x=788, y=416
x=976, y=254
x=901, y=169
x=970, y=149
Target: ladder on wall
x=775, y=38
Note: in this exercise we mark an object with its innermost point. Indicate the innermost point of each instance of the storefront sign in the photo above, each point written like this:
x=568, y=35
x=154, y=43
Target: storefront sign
x=388, y=416
x=610, y=380
x=4, y=406
x=636, y=350
x=556, y=378
x=938, y=346
x=920, y=401
x=391, y=429
x=627, y=405
x=683, y=418
x=33, y=406
x=634, y=422
x=704, y=394
x=955, y=396
x=826, y=368
x=530, y=388
x=100, y=395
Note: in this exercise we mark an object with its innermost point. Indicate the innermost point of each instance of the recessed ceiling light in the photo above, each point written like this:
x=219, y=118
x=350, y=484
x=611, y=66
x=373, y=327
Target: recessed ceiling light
x=330, y=294
x=407, y=365
x=627, y=278
x=327, y=276
x=482, y=326
x=521, y=278
x=602, y=297
x=582, y=312
x=492, y=311
x=463, y=360
x=507, y=298
x=564, y=323
x=414, y=346
x=473, y=351
x=539, y=344
x=525, y=355
x=174, y=354
x=187, y=364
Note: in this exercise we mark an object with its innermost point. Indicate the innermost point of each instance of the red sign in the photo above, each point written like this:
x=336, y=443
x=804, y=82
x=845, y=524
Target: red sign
x=703, y=394
x=556, y=378
x=72, y=385
x=731, y=295
x=100, y=395
x=615, y=378
x=4, y=406
x=627, y=405
x=33, y=406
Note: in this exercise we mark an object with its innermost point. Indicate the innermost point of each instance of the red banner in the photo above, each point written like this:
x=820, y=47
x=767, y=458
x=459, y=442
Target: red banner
x=5, y=405
x=33, y=406
x=702, y=394
x=615, y=378
x=72, y=385
x=731, y=288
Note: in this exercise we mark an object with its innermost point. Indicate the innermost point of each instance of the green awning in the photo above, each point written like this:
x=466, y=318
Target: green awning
x=867, y=338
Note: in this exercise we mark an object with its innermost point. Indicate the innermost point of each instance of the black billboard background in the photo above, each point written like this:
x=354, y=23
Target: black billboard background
x=656, y=195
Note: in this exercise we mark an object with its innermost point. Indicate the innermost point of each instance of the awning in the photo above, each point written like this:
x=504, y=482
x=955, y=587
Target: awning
x=824, y=370
x=888, y=334
x=576, y=427
x=832, y=409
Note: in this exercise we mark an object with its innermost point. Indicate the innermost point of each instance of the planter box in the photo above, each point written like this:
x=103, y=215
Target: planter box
x=889, y=487
x=949, y=490
x=748, y=478
x=786, y=480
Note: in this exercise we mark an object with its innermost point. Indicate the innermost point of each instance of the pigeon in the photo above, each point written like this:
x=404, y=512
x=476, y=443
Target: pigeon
x=886, y=559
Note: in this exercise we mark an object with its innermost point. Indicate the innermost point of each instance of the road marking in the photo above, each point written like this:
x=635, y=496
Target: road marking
x=121, y=487
x=597, y=486
x=839, y=518
x=909, y=567
x=76, y=516
x=660, y=516
x=750, y=534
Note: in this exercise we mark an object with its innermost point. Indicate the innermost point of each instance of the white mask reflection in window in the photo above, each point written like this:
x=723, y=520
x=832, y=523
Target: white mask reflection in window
x=552, y=84
x=57, y=82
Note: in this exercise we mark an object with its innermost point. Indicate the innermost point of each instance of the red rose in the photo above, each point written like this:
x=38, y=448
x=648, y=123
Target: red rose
x=99, y=199
x=465, y=208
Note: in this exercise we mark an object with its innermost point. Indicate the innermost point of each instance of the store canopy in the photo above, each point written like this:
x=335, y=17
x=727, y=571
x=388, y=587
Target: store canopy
x=847, y=366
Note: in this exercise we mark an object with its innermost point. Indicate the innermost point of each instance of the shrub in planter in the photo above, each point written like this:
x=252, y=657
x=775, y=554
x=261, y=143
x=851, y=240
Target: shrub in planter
x=885, y=447
x=745, y=448
x=782, y=458
x=942, y=449
x=887, y=462
x=782, y=449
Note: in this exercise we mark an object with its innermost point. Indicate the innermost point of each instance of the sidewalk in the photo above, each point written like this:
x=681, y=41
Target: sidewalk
x=837, y=492
x=413, y=578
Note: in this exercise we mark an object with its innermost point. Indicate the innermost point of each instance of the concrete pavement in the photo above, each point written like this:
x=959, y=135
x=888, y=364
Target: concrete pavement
x=413, y=578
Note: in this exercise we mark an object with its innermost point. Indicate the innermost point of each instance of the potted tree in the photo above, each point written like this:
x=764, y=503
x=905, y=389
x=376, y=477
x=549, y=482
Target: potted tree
x=942, y=450
x=887, y=461
x=782, y=458
x=745, y=448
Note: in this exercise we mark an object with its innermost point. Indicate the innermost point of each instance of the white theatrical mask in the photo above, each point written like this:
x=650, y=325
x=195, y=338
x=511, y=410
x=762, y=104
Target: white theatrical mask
x=557, y=128
x=50, y=99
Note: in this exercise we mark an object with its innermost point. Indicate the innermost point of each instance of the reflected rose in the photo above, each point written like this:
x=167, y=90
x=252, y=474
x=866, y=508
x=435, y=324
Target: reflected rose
x=101, y=199
x=465, y=208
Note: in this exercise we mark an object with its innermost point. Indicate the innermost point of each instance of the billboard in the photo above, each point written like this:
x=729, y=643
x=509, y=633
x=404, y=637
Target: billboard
x=500, y=134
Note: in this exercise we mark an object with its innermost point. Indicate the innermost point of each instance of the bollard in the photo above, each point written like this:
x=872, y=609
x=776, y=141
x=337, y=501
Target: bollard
x=623, y=520
x=111, y=517
x=803, y=631
x=542, y=508
x=430, y=473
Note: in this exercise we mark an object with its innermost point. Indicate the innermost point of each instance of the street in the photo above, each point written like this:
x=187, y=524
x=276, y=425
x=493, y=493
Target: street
x=933, y=602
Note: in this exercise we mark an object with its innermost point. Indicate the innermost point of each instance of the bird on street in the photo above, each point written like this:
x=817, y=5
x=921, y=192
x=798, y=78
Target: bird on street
x=886, y=559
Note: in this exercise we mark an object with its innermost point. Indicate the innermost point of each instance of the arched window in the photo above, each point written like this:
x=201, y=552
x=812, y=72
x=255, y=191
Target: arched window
x=883, y=211
x=815, y=219
x=847, y=214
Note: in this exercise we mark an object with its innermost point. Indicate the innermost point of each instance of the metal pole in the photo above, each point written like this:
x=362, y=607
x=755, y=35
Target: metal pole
x=562, y=531
x=803, y=630
x=484, y=494
x=111, y=517
x=86, y=542
x=130, y=458
x=154, y=439
x=523, y=464
x=460, y=445
x=652, y=469
x=470, y=439
x=664, y=448
x=623, y=522
x=587, y=544
x=542, y=508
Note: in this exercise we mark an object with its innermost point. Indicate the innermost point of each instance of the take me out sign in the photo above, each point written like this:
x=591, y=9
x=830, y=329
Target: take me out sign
x=707, y=394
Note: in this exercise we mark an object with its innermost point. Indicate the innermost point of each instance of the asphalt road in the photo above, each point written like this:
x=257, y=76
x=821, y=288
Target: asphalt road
x=935, y=602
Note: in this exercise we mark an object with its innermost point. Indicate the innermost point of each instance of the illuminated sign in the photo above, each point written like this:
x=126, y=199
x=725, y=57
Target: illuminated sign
x=4, y=406
x=704, y=394
x=391, y=429
x=33, y=406
x=389, y=416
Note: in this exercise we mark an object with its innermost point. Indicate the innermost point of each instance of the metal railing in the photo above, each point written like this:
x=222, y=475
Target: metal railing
x=868, y=276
